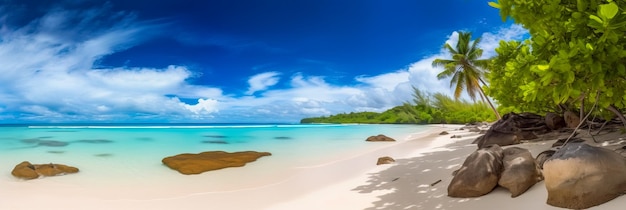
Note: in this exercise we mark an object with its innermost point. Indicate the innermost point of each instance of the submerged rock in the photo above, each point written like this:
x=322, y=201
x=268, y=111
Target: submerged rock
x=380, y=137
x=26, y=170
x=580, y=176
x=385, y=160
x=479, y=174
x=520, y=171
x=212, y=160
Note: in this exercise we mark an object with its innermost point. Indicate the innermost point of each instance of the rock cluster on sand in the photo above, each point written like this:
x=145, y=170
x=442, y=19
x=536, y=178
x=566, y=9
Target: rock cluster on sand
x=212, y=160
x=512, y=129
x=385, y=160
x=580, y=176
x=26, y=170
x=380, y=137
x=512, y=168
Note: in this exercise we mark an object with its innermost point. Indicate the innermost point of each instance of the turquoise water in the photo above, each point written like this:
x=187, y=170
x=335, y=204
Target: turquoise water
x=133, y=153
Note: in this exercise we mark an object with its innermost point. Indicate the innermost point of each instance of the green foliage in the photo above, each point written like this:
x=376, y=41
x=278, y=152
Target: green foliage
x=425, y=109
x=576, y=53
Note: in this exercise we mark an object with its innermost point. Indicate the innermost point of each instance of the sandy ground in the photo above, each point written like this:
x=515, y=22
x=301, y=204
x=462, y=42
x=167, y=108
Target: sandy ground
x=351, y=182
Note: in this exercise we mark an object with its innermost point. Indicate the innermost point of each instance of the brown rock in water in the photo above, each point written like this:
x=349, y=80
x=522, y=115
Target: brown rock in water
x=444, y=133
x=213, y=160
x=385, y=160
x=26, y=170
x=479, y=174
x=571, y=119
x=520, y=171
x=380, y=137
x=554, y=121
x=580, y=176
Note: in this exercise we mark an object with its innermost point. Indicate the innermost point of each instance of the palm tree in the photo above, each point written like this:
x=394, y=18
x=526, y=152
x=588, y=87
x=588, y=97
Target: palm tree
x=465, y=68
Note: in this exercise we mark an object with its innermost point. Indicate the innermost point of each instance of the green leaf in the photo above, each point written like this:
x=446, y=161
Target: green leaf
x=609, y=10
x=543, y=67
x=494, y=5
x=581, y=5
x=596, y=18
x=589, y=46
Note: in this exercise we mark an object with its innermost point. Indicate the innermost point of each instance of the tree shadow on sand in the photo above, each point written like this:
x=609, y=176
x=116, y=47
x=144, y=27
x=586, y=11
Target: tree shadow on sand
x=408, y=182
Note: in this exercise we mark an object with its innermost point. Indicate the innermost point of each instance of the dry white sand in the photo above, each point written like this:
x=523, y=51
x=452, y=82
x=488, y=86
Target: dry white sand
x=350, y=182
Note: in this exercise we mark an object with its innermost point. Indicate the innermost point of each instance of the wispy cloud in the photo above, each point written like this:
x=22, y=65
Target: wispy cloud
x=48, y=72
x=262, y=81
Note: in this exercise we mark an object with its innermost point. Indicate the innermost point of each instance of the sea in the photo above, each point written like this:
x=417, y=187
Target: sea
x=115, y=155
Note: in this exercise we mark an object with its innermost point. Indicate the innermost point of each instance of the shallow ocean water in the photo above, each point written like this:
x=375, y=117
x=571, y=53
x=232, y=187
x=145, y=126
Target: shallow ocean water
x=131, y=154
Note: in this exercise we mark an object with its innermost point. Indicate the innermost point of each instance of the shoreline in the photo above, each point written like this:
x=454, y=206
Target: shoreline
x=190, y=192
x=349, y=180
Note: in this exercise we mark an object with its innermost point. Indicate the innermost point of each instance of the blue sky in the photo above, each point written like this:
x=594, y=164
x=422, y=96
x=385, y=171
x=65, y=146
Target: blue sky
x=225, y=61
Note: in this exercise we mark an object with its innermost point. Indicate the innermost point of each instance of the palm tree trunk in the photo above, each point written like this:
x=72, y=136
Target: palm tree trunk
x=482, y=95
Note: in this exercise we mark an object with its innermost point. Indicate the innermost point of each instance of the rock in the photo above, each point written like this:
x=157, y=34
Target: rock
x=474, y=129
x=543, y=156
x=513, y=128
x=26, y=170
x=479, y=174
x=498, y=138
x=456, y=136
x=385, y=160
x=444, y=133
x=520, y=171
x=554, y=121
x=571, y=119
x=380, y=137
x=579, y=176
x=212, y=160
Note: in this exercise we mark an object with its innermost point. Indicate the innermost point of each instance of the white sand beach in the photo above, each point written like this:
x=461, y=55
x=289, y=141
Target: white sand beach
x=350, y=182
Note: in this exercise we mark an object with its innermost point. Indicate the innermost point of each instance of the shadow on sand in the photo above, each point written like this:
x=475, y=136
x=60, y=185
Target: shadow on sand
x=408, y=182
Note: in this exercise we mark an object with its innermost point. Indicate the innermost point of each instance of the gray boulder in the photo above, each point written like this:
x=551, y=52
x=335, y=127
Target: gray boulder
x=580, y=176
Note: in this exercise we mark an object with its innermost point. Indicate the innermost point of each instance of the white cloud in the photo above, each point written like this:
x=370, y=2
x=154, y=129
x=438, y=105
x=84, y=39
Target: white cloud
x=204, y=106
x=490, y=41
x=262, y=81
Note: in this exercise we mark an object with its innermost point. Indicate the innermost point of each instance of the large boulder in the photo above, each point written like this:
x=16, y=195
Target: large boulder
x=479, y=174
x=26, y=170
x=571, y=119
x=554, y=121
x=579, y=176
x=498, y=138
x=212, y=160
x=380, y=137
x=520, y=171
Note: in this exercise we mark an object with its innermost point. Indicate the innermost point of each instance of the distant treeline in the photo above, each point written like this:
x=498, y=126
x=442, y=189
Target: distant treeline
x=424, y=109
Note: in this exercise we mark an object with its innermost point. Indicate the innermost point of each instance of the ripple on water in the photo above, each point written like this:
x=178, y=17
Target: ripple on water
x=103, y=155
x=56, y=152
x=215, y=136
x=215, y=142
x=95, y=141
x=282, y=138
